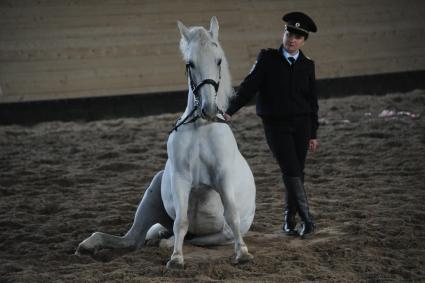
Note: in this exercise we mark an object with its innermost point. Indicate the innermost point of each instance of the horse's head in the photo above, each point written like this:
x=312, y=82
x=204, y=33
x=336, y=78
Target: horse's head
x=207, y=68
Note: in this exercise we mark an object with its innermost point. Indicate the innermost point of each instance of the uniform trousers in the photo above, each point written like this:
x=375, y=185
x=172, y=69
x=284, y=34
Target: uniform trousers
x=288, y=139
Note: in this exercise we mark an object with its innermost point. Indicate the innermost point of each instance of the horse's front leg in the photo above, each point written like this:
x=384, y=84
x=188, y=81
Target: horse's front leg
x=180, y=187
x=232, y=217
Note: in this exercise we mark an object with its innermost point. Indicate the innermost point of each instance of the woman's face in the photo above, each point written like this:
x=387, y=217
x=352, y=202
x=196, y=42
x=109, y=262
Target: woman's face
x=292, y=41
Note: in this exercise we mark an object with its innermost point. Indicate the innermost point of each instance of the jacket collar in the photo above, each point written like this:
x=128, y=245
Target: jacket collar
x=301, y=56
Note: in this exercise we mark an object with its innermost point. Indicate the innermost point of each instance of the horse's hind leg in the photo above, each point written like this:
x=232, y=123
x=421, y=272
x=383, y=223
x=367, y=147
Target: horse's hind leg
x=149, y=212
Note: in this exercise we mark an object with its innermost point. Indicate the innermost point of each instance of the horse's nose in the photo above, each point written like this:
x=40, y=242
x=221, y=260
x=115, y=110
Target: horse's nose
x=203, y=114
x=209, y=111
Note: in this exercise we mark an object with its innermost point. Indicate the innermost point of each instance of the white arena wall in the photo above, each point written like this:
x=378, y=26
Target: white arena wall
x=57, y=49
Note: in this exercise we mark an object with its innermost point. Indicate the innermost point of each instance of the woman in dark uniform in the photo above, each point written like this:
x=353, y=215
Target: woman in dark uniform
x=287, y=103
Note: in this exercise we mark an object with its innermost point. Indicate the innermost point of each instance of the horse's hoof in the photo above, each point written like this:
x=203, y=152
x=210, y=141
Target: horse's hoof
x=244, y=258
x=152, y=243
x=166, y=244
x=165, y=234
x=82, y=250
x=175, y=264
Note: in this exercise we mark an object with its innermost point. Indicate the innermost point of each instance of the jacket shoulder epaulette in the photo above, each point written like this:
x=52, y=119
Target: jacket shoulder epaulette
x=308, y=58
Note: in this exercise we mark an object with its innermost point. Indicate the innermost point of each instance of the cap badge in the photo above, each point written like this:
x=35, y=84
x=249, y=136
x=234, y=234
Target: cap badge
x=297, y=25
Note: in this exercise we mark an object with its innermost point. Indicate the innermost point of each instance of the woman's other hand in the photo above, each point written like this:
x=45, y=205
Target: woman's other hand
x=313, y=144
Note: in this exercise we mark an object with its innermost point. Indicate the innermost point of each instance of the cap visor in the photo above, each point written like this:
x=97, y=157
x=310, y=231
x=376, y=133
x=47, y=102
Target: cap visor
x=296, y=31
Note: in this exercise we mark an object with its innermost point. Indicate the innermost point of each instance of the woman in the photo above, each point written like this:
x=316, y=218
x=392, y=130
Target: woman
x=287, y=103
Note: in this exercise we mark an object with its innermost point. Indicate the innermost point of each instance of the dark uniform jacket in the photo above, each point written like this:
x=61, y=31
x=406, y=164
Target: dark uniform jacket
x=284, y=91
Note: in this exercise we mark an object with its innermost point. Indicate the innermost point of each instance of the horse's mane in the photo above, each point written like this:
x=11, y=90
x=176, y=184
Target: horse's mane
x=200, y=38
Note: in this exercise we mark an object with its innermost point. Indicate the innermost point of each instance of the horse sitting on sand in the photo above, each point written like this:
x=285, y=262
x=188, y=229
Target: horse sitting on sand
x=207, y=189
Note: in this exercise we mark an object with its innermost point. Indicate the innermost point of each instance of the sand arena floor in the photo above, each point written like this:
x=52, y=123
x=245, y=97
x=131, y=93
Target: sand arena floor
x=59, y=182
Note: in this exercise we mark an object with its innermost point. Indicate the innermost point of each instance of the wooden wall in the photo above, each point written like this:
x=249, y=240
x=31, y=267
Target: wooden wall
x=51, y=49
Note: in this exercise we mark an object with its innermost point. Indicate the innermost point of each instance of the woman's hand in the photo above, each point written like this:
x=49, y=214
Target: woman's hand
x=227, y=117
x=313, y=144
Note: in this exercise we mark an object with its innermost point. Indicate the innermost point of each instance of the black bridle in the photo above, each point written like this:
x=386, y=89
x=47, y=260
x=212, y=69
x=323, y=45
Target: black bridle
x=195, y=90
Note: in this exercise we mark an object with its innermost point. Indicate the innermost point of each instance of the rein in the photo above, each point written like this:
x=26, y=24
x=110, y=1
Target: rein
x=195, y=90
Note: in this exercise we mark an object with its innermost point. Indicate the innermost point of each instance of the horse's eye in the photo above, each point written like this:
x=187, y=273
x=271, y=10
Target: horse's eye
x=191, y=64
x=219, y=62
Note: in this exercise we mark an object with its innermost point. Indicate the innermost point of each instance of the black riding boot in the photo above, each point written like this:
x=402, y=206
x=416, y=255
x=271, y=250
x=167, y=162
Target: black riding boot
x=295, y=185
x=289, y=214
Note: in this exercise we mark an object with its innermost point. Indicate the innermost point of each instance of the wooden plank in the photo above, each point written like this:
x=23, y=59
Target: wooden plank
x=140, y=8
x=130, y=78
x=51, y=49
x=105, y=25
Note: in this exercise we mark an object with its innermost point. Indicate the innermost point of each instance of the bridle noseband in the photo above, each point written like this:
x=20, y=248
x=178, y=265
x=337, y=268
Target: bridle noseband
x=195, y=90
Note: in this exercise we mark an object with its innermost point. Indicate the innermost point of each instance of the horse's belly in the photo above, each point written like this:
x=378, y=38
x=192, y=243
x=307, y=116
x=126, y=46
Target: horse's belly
x=205, y=211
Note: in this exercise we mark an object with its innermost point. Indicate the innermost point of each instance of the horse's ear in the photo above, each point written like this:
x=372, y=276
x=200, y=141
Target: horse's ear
x=184, y=31
x=214, y=28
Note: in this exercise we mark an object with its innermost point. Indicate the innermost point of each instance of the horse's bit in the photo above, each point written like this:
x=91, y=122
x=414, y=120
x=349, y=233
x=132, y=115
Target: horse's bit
x=195, y=90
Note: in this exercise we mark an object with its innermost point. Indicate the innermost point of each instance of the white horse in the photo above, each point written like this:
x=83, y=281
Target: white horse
x=207, y=187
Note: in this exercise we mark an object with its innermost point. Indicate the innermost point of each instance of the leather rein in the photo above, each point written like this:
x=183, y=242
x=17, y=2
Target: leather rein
x=195, y=90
